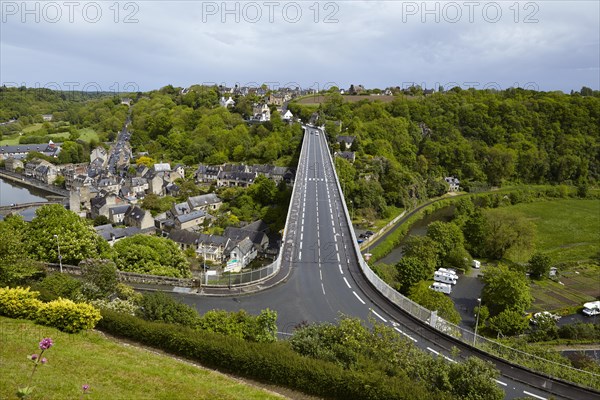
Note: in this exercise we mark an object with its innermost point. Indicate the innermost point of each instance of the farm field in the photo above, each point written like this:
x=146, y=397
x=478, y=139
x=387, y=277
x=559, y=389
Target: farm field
x=111, y=369
x=568, y=231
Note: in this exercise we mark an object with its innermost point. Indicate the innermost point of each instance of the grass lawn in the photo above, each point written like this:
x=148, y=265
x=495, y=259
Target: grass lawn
x=88, y=134
x=567, y=230
x=112, y=370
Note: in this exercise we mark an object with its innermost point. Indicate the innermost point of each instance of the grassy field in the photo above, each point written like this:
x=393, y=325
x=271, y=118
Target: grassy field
x=567, y=230
x=86, y=134
x=112, y=370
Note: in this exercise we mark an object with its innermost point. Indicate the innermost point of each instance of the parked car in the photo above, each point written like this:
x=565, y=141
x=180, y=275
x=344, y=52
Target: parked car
x=543, y=314
x=592, y=308
x=369, y=233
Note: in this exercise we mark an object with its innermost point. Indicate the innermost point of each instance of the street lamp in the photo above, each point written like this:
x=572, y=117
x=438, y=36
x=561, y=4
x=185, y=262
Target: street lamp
x=59, y=256
x=477, y=322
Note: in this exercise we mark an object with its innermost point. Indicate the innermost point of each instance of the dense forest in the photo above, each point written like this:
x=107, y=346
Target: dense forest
x=485, y=138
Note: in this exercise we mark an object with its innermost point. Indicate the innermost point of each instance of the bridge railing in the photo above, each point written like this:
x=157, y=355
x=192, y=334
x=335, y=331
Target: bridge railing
x=542, y=365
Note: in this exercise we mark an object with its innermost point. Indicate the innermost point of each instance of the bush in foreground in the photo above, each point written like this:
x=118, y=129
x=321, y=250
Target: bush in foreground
x=68, y=316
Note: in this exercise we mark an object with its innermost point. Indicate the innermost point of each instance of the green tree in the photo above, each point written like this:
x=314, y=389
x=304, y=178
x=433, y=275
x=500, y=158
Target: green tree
x=424, y=249
x=507, y=230
x=505, y=289
x=263, y=190
x=151, y=255
x=447, y=235
x=539, y=265
x=434, y=301
x=412, y=270
x=55, y=226
x=99, y=278
x=508, y=323
x=474, y=379
x=15, y=263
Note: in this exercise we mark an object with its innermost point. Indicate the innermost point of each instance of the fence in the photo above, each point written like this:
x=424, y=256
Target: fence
x=540, y=364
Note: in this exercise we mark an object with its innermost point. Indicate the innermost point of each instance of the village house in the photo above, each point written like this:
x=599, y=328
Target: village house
x=261, y=113
x=100, y=205
x=135, y=216
x=190, y=220
x=205, y=202
x=12, y=164
x=453, y=183
x=259, y=239
x=227, y=103
x=347, y=140
x=347, y=155
x=116, y=214
x=288, y=116
x=231, y=179
x=241, y=255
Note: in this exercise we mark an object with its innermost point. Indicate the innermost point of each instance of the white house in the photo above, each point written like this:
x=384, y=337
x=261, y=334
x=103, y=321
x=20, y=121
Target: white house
x=288, y=116
x=453, y=182
x=227, y=103
x=261, y=112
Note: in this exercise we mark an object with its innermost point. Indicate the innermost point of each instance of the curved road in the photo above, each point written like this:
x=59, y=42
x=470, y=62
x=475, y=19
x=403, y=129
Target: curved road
x=326, y=282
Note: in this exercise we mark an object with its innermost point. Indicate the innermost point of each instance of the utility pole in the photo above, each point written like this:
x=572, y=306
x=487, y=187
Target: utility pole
x=477, y=321
x=59, y=256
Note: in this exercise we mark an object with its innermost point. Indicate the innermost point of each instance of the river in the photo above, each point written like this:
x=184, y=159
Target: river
x=419, y=228
x=12, y=193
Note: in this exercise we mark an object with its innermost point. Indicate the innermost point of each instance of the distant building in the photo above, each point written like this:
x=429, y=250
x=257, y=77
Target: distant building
x=227, y=103
x=190, y=220
x=261, y=113
x=135, y=216
x=20, y=151
x=347, y=140
x=454, y=183
x=12, y=164
x=348, y=155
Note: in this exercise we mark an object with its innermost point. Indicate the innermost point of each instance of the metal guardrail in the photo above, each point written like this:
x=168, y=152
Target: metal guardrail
x=464, y=335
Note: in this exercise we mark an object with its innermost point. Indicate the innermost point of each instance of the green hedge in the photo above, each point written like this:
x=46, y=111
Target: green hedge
x=275, y=363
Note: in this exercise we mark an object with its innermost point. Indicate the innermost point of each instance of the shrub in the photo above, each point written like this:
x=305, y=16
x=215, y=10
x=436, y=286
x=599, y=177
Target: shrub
x=19, y=302
x=118, y=305
x=99, y=278
x=68, y=316
x=161, y=307
x=59, y=285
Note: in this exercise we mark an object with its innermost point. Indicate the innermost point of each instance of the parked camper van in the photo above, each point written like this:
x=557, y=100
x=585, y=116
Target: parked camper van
x=447, y=271
x=445, y=277
x=441, y=287
x=476, y=264
x=592, y=308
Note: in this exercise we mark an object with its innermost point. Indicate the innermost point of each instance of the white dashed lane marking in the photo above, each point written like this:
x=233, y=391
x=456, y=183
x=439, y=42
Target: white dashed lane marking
x=358, y=297
x=534, y=395
x=500, y=382
x=433, y=351
x=345, y=280
x=405, y=334
x=378, y=316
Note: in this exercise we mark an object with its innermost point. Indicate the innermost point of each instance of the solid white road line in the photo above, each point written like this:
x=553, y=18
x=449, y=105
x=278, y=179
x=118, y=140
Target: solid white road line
x=500, y=382
x=408, y=336
x=433, y=351
x=534, y=395
x=359, y=299
x=378, y=316
x=345, y=280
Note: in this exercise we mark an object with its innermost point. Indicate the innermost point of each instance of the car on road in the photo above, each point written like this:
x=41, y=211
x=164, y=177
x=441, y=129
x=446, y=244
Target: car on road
x=369, y=233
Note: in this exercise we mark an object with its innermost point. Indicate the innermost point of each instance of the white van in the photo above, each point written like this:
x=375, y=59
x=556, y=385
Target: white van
x=441, y=287
x=476, y=264
x=445, y=277
x=592, y=308
x=447, y=271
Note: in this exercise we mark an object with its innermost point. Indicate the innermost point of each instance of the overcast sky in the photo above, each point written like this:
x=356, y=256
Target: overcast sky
x=144, y=45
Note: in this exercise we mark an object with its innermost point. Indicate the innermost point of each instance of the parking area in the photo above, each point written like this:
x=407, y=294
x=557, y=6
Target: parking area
x=465, y=294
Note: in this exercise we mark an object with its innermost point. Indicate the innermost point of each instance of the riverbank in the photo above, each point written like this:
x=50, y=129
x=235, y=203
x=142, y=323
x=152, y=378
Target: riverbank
x=23, y=181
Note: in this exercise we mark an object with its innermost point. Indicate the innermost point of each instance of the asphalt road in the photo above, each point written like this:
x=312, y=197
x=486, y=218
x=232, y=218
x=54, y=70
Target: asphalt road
x=326, y=282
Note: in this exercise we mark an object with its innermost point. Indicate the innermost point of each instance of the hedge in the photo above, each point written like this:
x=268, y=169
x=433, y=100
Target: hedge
x=275, y=363
x=62, y=314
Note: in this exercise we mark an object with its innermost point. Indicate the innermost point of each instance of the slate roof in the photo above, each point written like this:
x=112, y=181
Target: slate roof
x=203, y=200
x=237, y=234
x=190, y=216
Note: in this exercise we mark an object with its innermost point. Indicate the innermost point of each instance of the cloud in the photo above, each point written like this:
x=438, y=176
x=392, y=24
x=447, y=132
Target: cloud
x=370, y=42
